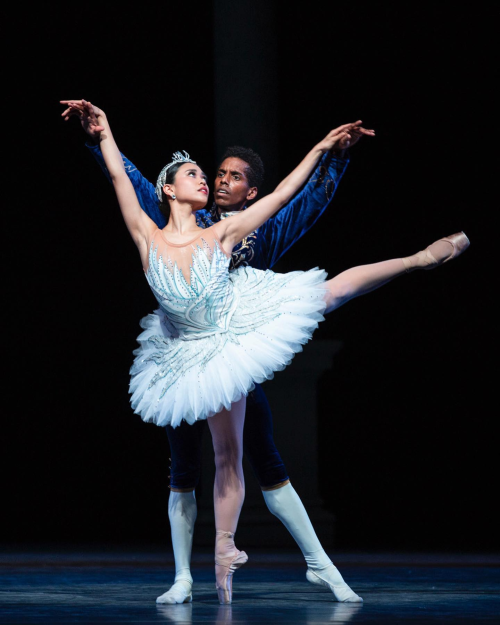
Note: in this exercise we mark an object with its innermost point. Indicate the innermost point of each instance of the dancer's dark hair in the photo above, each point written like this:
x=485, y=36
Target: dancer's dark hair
x=255, y=166
x=164, y=205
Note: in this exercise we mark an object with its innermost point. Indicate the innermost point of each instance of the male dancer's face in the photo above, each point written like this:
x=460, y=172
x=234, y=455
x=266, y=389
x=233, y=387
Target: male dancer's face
x=231, y=188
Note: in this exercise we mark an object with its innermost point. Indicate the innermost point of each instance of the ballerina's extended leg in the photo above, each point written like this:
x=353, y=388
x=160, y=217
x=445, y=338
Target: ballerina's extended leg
x=365, y=278
x=226, y=428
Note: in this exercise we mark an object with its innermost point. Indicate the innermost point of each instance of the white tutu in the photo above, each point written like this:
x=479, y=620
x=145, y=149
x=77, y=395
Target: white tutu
x=175, y=379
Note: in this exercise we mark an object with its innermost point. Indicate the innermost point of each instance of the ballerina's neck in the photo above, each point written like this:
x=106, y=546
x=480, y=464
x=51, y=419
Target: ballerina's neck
x=180, y=240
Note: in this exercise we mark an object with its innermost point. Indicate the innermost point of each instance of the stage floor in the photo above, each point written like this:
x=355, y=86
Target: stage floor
x=112, y=586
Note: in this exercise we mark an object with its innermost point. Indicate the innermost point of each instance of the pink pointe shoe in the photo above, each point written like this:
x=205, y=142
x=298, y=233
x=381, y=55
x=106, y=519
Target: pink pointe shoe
x=426, y=260
x=227, y=560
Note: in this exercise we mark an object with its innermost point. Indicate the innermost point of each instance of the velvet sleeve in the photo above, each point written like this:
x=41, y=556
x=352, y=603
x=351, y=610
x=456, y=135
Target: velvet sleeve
x=281, y=231
x=145, y=191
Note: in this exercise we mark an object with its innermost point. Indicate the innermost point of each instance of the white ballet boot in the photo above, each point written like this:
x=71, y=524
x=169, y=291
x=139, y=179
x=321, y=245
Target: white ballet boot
x=285, y=504
x=182, y=515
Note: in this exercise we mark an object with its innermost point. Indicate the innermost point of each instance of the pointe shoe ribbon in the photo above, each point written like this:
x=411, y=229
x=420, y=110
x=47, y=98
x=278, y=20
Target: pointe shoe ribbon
x=225, y=566
x=425, y=259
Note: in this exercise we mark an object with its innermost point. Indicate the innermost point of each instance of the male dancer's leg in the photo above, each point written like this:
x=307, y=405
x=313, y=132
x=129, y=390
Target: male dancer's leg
x=340, y=289
x=282, y=499
x=185, y=451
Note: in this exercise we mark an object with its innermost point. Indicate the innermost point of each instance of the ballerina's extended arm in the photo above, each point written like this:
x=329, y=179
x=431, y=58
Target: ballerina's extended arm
x=233, y=229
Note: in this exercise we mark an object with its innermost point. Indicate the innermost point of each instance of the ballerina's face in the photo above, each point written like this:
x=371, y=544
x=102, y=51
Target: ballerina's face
x=189, y=186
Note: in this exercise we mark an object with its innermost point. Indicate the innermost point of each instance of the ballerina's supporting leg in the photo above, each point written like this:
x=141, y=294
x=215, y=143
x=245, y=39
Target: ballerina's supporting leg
x=226, y=428
x=365, y=278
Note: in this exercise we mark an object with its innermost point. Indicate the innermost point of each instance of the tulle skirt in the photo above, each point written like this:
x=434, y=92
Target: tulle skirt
x=174, y=379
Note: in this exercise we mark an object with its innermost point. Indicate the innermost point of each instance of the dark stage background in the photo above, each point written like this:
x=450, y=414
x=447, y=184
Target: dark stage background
x=406, y=451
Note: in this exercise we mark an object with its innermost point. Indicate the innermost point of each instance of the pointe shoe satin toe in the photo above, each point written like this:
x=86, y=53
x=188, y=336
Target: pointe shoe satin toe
x=426, y=260
x=225, y=566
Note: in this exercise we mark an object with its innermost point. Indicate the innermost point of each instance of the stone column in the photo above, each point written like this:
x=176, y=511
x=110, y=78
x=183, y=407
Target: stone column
x=245, y=79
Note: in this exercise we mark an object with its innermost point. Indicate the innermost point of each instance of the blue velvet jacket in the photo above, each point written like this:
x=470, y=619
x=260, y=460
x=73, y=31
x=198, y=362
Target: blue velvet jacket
x=264, y=247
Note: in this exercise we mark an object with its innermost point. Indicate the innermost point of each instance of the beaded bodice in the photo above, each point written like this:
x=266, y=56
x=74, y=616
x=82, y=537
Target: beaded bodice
x=191, y=283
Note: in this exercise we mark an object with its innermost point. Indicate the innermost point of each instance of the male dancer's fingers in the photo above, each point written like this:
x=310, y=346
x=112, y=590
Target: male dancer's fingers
x=91, y=120
x=70, y=101
x=85, y=112
x=93, y=111
x=74, y=105
x=338, y=130
x=359, y=131
x=345, y=127
x=90, y=110
x=76, y=111
x=345, y=139
x=70, y=104
x=346, y=135
x=70, y=113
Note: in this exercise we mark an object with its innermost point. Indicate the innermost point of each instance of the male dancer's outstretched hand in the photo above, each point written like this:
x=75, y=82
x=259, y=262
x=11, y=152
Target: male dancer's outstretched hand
x=345, y=136
x=87, y=113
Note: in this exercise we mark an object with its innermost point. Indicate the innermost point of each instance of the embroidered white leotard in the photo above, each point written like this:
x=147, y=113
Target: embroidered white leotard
x=216, y=332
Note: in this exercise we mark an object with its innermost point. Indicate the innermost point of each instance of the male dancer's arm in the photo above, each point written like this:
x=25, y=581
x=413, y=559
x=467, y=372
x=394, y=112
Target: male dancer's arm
x=144, y=189
x=280, y=232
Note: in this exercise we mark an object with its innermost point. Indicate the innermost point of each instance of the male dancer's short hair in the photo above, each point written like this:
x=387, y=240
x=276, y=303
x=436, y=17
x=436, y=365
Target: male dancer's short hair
x=255, y=169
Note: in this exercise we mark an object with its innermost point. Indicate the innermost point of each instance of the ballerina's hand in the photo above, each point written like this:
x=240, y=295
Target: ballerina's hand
x=87, y=113
x=344, y=136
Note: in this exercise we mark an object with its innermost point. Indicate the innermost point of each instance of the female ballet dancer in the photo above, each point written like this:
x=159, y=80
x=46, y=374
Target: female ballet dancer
x=216, y=333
